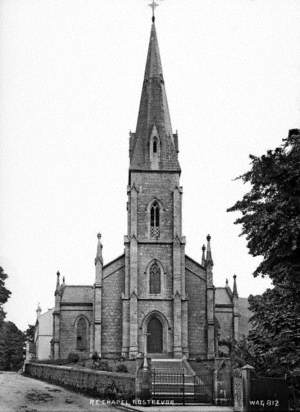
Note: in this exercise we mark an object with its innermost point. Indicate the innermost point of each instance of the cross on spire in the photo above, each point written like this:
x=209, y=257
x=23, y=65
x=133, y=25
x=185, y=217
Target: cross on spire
x=153, y=6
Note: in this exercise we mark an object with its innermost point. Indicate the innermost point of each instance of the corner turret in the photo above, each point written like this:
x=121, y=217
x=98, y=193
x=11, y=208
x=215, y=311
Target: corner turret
x=236, y=312
x=203, y=261
x=210, y=298
x=98, y=296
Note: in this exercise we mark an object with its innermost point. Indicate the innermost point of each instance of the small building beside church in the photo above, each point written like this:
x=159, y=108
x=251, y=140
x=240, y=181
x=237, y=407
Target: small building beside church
x=153, y=296
x=43, y=333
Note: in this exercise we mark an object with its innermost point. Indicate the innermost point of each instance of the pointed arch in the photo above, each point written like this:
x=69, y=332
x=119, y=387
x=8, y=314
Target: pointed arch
x=155, y=219
x=154, y=148
x=154, y=145
x=82, y=331
x=155, y=278
x=156, y=321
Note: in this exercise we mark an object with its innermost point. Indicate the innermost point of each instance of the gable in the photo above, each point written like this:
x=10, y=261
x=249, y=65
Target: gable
x=195, y=268
x=222, y=297
x=113, y=266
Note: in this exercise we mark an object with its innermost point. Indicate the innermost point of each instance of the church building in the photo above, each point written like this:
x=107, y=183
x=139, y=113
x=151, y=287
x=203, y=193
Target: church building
x=153, y=297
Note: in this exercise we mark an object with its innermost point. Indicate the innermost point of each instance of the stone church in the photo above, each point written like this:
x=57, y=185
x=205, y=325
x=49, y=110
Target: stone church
x=153, y=297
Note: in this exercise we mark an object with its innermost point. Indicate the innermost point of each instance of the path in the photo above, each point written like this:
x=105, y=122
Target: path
x=21, y=394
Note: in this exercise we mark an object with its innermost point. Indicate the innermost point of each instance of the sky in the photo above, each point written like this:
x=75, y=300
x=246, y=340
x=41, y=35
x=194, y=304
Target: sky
x=71, y=74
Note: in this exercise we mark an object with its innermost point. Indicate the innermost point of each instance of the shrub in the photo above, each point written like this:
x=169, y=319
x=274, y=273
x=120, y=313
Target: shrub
x=122, y=368
x=73, y=357
x=95, y=356
x=104, y=366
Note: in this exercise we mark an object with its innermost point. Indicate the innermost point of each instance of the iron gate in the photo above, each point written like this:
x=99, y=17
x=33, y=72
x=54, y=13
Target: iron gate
x=204, y=384
x=177, y=387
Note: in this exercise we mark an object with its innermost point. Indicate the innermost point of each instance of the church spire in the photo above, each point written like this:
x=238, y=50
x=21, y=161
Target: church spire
x=153, y=146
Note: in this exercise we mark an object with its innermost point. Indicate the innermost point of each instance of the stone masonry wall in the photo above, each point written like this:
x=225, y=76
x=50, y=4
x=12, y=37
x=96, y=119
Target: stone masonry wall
x=113, y=287
x=68, y=316
x=197, y=335
x=98, y=383
x=159, y=186
x=225, y=318
x=163, y=253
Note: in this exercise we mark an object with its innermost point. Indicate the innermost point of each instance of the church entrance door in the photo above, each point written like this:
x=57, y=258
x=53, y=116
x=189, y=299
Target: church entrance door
x=154, y=336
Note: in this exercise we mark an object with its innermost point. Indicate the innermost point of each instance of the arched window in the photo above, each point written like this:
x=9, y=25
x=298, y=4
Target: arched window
x=155, y=279
x=154, y=220
x=155, y=145
x=81, y=334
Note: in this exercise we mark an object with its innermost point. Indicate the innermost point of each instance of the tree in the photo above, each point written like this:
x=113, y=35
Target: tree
x=4, y=294
x=12, y=342
x=273, y=338
x=29, y=333
x=271, y=223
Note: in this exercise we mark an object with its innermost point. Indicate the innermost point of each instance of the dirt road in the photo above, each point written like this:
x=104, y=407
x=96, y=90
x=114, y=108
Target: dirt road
x=21, y=394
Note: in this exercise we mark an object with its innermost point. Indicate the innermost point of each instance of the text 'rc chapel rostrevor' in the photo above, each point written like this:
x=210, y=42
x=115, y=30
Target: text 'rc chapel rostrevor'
x=152, y=291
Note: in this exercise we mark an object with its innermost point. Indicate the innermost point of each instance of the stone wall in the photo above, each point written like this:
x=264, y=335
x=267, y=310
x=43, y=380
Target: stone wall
x=155, y=186
x=113, y=287
x=196, y=292
x=100, y=384
x=225, y=319
x=68, y=317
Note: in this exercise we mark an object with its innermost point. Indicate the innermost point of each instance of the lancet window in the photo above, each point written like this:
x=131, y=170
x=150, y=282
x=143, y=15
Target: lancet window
x=82, y=334
x=155, y=220
x=155, y=279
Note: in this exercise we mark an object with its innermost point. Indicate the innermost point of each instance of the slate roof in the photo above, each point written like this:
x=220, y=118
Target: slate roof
x=78, y=294
x=153, y=111
x=222, y=297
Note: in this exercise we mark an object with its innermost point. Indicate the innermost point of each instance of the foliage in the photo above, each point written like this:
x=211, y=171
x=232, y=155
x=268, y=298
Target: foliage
x=60, y=362
x=274, y=335
x=121, y=367
x=29, y=333
x=12, y=342
x=73, y=357
x=271, y=212
x=102, y=365
x=4, y=293
x=95, y=356
x=271, y=222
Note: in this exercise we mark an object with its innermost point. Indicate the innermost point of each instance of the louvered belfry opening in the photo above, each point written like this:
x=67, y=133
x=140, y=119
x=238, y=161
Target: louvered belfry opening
x=154, y=220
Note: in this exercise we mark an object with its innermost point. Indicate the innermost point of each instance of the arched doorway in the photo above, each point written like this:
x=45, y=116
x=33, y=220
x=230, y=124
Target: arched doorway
x=154, y=336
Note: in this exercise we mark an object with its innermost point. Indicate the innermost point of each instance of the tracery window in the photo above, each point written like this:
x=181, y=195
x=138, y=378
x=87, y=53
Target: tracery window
x=81, y=334
x=155, y=279
x=154, y=220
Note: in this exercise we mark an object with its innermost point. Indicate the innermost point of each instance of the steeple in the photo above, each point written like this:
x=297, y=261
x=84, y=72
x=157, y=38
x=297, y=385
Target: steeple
x=153, y=146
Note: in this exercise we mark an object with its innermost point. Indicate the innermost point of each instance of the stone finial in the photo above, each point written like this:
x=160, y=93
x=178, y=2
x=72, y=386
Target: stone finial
x=235, y=292
x=209, y=261
x=57, y=280
x=99, y=258
x=203, y=255
x=38, y=310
